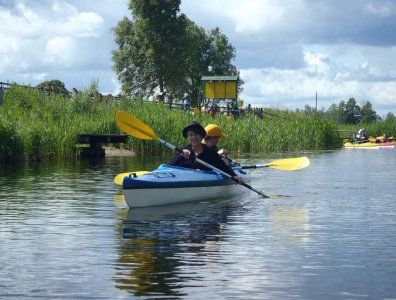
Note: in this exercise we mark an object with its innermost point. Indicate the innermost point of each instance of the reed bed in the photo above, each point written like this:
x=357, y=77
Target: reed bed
x=37, y=126
x=387, y=127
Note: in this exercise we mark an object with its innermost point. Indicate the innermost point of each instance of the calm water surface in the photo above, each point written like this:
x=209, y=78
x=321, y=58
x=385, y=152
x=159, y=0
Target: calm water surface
x=66, y=233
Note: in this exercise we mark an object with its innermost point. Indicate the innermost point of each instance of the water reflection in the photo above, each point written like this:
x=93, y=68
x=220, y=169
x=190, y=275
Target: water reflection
x=159, y=242
x=290, y=222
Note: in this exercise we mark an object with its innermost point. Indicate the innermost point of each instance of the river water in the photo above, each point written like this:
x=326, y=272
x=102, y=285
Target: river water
x=330, y=233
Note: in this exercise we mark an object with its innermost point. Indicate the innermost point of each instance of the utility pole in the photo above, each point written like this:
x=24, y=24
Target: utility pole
x=316, y=102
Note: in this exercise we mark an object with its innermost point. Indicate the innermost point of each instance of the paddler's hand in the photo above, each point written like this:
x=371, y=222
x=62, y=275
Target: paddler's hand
x=222, y=152
x=238, y=179
x=186, y=153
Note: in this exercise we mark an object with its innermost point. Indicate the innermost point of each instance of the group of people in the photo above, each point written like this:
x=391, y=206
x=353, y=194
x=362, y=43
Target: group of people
x=202, y=144
x=361, y=137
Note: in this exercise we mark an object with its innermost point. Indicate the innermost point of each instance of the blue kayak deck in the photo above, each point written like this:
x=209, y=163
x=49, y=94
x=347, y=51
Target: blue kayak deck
x=166, y=176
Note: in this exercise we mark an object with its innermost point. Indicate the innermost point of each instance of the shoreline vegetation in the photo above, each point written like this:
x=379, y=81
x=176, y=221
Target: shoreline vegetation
x=36, y=126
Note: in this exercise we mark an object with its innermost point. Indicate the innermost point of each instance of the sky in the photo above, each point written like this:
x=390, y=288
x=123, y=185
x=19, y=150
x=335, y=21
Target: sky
x=290, y=53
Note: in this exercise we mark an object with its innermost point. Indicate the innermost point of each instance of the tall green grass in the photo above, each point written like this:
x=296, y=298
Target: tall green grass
x=37, y=126
x=387, y=127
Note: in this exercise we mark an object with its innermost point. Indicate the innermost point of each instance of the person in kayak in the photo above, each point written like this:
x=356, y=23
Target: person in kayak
x=361, y=135
x=194, y=133
x=354, y=139
x=213, y=135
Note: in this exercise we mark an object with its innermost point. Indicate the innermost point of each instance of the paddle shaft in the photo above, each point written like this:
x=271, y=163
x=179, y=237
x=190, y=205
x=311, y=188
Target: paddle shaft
x=214, y=169
x=253, y=167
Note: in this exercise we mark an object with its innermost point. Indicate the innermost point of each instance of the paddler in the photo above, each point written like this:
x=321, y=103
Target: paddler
x=194, y=133
x=361, y=135
x=213, y=135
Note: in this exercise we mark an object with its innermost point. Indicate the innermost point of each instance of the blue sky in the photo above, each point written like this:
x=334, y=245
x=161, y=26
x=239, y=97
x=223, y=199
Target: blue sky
x=286, y=50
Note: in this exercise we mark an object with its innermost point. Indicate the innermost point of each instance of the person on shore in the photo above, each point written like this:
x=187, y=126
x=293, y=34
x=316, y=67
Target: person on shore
x=194, y=133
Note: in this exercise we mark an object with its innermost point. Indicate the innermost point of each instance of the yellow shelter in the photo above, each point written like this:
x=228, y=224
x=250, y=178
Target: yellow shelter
x=220, y=88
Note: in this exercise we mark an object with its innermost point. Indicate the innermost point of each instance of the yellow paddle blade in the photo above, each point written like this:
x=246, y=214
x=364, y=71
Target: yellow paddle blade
x=120, y=177
x=289, y=164
x=134, y=127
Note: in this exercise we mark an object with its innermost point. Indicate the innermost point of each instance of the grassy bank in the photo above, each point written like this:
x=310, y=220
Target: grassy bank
x=36, y=126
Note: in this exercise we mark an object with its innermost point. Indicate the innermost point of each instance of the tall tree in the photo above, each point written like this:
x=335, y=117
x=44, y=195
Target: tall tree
x=159, y=48
x=352, y=112
x=390, y=117
x=149, y=47
x=221, y=54
x=206, y=54
x=196, y=61
x=369, y=115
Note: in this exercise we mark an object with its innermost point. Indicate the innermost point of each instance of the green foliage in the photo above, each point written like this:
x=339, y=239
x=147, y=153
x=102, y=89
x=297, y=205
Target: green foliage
x=36, y=126
x=346, y=112
x=150, y=47
x=368, y=115
x=159, y=48
x=52, y=87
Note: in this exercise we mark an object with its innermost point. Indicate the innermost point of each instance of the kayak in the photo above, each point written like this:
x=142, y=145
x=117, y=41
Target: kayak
x=170, y=185
x=369, y=145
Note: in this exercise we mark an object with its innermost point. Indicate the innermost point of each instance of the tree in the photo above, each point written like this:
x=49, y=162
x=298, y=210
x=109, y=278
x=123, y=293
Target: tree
x=352, y=112
x=368, y=114
x=206, y=54
x=334, y=113
x=159, y=48
x=52, y=87
x=221, y=54
x=390, y=117
x=196, y=61
x=149, y=47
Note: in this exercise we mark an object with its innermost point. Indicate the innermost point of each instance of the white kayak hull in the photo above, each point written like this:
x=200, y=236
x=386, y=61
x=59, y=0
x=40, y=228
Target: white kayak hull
x=166, y=196
x=173, y=185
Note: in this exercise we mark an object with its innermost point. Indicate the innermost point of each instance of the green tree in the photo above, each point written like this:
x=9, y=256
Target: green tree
x=390, y=117
x=149, y=47
x=206, y=54
x=368, y=114
x=159, y=48
x=197, y=49
x=352, y=113
x=334, y=113
x=52, y=87
x=221, y=54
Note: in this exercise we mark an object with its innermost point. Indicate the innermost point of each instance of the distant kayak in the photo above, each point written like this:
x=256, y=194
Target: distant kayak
x=170, y=184
x=368, y=145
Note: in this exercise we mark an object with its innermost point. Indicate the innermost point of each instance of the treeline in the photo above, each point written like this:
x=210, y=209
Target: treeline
x=350, y=113
x=34, y=126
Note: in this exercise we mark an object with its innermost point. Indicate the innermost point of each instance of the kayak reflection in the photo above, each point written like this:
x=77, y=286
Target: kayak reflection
x=159, y=241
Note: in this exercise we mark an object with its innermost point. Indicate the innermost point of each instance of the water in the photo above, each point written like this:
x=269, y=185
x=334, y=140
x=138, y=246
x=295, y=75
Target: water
x=66, y=233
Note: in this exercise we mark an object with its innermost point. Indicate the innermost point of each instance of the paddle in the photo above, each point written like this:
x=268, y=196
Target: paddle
x=138, y=129
x=286, y=164
x=120, y=177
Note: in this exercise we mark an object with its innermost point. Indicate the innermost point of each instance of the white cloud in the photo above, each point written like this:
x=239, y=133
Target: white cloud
x=253, y=16
x=384, y=9
x=84, y=24
x=60, y=51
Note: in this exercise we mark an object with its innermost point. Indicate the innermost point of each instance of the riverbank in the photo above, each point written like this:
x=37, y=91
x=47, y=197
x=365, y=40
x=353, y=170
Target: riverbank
x=34, y=125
